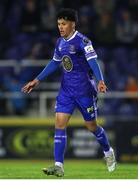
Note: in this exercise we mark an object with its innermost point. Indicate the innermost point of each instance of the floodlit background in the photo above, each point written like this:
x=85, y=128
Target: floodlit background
x=28, y=32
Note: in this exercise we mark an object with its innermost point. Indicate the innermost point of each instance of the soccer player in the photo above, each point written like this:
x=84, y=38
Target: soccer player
x=79, y=60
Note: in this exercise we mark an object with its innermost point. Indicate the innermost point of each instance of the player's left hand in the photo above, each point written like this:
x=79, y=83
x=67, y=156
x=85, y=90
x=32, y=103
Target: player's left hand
x=101, y=87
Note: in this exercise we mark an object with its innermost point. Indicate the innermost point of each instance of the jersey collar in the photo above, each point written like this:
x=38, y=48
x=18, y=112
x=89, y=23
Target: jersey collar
x=71, y=36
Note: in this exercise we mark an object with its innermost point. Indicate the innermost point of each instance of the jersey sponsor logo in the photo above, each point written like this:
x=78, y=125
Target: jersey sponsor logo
x=89, y=49
x=67, y=63
x=90, y=109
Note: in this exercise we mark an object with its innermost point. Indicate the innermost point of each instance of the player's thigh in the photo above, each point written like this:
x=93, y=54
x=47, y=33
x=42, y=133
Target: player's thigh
x=62, y=120
x=64, y=108
x=64, y=104
x=88, y=108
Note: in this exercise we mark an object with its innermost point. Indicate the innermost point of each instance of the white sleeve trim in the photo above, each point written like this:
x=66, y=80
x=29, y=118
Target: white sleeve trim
x=91, y=57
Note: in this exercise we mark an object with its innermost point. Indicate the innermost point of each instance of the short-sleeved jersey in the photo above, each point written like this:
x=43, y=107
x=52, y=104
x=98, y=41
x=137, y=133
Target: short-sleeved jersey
x=75, y=54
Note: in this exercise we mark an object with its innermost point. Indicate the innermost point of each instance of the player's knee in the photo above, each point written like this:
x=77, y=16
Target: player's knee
x=60, y=125
x=61, y=120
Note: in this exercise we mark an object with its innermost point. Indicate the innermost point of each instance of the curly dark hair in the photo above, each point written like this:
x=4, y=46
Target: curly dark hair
x=68, y=14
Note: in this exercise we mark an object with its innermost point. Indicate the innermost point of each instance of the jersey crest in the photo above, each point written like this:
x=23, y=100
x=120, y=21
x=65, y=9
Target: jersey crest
x=67, y=63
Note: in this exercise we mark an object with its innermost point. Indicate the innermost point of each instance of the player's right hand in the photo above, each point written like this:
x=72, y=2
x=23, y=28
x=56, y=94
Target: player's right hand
x=29, y=86
x=102, y=87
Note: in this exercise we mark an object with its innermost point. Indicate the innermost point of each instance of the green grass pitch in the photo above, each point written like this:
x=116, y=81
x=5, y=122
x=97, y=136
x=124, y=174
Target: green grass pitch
x=74, y=169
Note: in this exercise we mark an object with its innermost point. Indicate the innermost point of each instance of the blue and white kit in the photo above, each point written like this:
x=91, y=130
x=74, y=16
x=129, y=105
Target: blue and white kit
x=77, y=87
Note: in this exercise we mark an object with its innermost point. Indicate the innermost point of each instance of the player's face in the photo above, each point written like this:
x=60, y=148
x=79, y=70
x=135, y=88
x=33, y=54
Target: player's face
x=66, y=28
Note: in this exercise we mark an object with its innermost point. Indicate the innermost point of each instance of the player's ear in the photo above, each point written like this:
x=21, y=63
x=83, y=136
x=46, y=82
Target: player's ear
x=73, y=25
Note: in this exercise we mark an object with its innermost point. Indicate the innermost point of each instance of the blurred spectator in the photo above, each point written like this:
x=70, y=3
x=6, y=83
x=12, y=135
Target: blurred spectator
x=104, y=29
x=132, y=84
x=28, y=71
x=4, y=32
x=133, y=6
x=12, y=18
x=4, y=39
x=18, y=101
x=85, y=19
x=48, y=14
x=30, y=17
x=74, y=4
x=126, y=28
x=101, y=6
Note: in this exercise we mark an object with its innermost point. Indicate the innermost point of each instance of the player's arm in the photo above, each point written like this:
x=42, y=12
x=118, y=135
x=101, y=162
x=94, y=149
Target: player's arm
x=98, y=74
x=91, y=57
x=51, y=67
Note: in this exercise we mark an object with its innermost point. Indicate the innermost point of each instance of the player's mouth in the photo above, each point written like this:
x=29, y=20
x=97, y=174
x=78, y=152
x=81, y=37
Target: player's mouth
x=61, y=32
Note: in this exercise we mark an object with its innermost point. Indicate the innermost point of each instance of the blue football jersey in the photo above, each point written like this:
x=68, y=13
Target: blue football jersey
x=75, y=53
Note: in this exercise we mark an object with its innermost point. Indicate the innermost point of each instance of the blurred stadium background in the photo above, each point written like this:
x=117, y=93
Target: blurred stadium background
x=28, y=33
